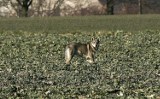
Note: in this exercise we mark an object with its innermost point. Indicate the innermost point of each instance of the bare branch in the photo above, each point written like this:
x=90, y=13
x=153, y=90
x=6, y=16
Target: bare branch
x=58, y=3
x=30, y=2
x=19, y=2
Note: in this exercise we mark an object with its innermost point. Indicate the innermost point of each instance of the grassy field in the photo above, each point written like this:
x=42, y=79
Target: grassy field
x=130, y=23
x=127, y=62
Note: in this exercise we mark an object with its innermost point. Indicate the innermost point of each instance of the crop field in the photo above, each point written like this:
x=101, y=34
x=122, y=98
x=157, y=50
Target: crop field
x=127, y=62
x=132, y=23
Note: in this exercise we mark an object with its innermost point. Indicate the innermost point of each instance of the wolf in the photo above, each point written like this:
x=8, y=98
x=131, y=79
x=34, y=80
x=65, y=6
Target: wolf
x=86, y=50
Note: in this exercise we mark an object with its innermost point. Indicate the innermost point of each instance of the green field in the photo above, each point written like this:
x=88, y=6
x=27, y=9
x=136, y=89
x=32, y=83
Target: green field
x=127, y=62
x=130, y=23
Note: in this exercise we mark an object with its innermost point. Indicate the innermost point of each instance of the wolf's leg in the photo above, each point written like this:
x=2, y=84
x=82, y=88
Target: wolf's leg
x=90, y=60
x=89, y=56
x=68, y=54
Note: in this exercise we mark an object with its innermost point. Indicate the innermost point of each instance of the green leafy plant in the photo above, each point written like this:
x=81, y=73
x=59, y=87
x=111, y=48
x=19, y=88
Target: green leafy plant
x=32, y=65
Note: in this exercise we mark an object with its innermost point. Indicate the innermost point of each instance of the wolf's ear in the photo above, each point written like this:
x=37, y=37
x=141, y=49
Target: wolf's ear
x=98, y=39
x=92, y=38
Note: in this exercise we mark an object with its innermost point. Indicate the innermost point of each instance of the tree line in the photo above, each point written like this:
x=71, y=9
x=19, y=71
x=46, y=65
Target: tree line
x=22, y=6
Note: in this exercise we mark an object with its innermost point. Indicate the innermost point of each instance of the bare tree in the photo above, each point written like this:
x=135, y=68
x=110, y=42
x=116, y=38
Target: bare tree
x=140, y=6
x=24, y=4
x=6, y=8
x=3, y=2
x=109, y=4
x=57, y=6
x=49, y=7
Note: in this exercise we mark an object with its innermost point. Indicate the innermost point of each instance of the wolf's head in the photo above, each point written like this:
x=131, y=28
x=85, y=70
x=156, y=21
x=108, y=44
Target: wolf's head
x=95, y=43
